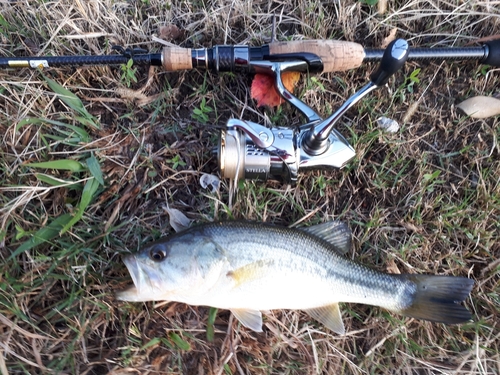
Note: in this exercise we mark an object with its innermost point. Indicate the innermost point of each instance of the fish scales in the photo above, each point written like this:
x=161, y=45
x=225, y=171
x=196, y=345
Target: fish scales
x=252, y=267
x=298, y=252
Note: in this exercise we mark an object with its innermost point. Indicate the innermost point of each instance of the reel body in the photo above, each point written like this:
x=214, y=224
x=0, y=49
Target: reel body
x=240, y=158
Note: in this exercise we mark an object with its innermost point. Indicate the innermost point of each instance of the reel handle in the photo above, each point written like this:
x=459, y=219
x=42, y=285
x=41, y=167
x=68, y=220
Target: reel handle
x=394, y=58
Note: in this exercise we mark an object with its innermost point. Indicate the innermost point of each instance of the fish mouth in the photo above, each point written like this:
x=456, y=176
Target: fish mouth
x=147, y=282
x=133, y=268
x=132, y=293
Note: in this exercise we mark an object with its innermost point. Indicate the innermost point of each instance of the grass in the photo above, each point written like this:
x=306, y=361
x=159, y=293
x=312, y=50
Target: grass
x=88, y=157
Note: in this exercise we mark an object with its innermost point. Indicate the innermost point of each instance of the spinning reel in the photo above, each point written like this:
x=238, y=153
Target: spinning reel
x=248, y=150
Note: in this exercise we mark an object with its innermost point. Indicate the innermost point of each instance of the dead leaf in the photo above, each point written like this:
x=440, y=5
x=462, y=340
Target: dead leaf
x=130, y=94
x=480, y=107
x=392, y=267
x=382, y=7
x=264, y=88
x=178, y=220
x=170, y=32
x=389, y=38
x=32, y=45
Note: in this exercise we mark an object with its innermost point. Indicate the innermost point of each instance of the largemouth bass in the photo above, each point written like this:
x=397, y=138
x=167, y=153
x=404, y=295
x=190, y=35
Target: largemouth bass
x=250, y=267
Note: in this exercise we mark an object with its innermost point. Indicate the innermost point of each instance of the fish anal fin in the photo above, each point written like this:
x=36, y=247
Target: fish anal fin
x=335, y=232
x=249, y=318
x=329, y=316
x=250, y=272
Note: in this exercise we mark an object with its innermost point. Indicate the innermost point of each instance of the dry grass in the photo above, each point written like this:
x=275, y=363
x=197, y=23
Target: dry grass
x=426, y=199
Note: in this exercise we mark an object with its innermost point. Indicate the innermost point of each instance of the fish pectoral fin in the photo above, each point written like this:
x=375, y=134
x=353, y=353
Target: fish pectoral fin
x=250, y=272
x=330, y=316
x=249, y=318
x=335, y=232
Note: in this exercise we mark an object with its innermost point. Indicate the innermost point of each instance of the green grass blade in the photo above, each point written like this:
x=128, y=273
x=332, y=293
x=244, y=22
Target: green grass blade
x=64, y=164
x=72, y=101
x=178, y=341
x=43, y=235
x=95, y=169
x=85, y=137
x=3, y=23
x=67, y=97
x=87, y=195
x=212, y=314
x=28, y=121
x=153, y=342
x=54, y=181
x=87, y=122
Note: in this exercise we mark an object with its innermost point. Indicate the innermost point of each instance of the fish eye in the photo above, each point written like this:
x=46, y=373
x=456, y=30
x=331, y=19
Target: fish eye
x=157, y=253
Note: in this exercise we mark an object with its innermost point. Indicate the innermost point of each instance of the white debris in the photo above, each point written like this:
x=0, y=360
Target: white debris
x=210, y=181
x=388, y=124
x=178, y=220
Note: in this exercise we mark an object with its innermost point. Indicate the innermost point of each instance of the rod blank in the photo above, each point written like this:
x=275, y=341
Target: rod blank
x=418, y=54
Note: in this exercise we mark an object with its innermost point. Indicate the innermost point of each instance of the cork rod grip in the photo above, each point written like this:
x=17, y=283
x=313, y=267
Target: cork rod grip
x=177, y=58
x=336, y=55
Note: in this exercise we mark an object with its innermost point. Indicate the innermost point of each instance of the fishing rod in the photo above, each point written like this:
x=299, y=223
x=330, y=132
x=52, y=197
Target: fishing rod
x=321, y=56
x=248, y=150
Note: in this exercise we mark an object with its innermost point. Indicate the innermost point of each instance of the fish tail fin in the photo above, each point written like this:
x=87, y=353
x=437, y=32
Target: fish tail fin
x=437, y=298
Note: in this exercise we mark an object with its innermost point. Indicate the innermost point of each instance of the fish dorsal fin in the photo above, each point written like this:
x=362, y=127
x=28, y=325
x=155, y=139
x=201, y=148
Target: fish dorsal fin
x=251, y=271
x=335, y=232
x=330, y=316
x=249, y=318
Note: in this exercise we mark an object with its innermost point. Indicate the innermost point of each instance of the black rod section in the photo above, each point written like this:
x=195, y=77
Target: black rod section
x=59, y=61
x=418, y=54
